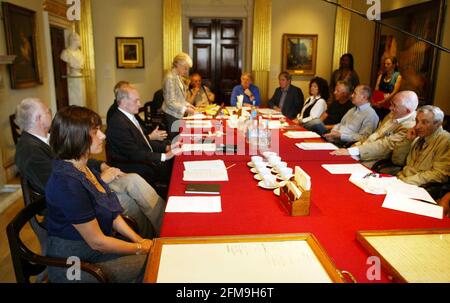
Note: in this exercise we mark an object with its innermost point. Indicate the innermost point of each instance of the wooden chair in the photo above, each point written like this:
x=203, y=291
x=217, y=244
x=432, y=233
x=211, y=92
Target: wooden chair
x=28, y=264
x=15, y=129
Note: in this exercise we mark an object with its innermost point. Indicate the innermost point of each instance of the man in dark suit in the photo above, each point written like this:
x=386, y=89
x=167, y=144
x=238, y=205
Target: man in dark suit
x=287, y=98
x=131, y=146
x=34, y=160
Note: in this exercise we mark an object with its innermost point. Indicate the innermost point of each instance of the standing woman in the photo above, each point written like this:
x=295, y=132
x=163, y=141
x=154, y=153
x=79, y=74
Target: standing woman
x=175, y=104
x=82, y=210
x=389, y=84
x=316, y=104
x=346, y=72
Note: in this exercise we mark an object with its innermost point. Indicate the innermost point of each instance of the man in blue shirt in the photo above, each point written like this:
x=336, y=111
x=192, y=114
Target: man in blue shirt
x=248, y=90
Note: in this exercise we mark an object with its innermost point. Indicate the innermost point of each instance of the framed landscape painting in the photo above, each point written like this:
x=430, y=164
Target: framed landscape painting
x=299, y=54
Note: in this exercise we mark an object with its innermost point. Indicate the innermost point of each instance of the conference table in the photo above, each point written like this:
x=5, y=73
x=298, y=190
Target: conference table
x=339, y=209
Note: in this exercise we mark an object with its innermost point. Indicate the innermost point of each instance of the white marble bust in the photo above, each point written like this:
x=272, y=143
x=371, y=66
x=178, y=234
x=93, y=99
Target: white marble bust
x=72, y=55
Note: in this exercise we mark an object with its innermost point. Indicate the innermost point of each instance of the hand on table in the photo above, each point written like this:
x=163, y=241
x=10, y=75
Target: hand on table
x=340, y=152
x=333, y=135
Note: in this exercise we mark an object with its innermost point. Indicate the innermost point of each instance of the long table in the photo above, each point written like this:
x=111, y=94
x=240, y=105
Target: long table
x=339, y=209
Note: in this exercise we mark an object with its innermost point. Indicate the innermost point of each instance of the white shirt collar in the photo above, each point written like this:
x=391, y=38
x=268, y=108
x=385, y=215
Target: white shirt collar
x=364, y=106
x=129, y=116
x=407, y=117
x=46, y=140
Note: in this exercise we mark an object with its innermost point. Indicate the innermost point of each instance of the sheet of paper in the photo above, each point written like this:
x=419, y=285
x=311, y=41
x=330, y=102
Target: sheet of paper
x=316, y=146
x=197, y=116
x=245, y=262
x=195, y=135
x=343, y=169
x=198, y=124
x=302, y=178
x=399, y=202
x=371, y=184
x=301, y=135
x=209, y=147
x=205, y=175
x=275, y=124
x=274, y=116
x=209, y=164
x=268, y=111
x=410, y=191
x=194, y=204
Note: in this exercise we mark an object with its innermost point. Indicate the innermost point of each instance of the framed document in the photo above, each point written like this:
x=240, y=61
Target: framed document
x=411, y=255
x=241, y=259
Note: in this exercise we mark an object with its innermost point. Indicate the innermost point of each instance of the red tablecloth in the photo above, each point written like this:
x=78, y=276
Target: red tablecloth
x=339, y=209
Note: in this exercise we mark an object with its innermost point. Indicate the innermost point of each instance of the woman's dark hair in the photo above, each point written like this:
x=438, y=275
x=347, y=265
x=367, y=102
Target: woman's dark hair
x=322, y=84
x=70, y=136
x=350, y=58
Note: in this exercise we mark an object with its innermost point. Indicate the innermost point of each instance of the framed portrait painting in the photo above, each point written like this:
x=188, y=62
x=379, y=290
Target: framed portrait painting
x=299, y=54
x=20, y=34
x=130, y=52
x=416, y=59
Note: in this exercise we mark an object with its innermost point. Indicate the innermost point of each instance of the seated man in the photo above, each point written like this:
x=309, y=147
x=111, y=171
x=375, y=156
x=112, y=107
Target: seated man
x=198, y=94
x=335, y=112
x=131, y=147
x=248, y=90
x=391, y=133
x=428, y=161
x=287, y=98
x=359, y=122
x=34, y=161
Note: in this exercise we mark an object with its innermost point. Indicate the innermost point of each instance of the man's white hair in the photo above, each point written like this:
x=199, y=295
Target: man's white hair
x=438, y=114
x=26, y=112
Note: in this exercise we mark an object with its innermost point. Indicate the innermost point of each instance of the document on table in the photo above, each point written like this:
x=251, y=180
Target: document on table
x=268, y=111
x=316, y=146
x=372, y=184
x=275, y=124
x=208, y=147
x=197, y=116
x=301, y=135
x=399, y=201
x=344, y=169
x=194, y=204
x=213, y=170
x=198, y=124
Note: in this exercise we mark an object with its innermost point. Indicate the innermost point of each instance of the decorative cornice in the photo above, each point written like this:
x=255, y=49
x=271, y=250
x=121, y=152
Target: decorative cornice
x=7, y=59
x=55, y=7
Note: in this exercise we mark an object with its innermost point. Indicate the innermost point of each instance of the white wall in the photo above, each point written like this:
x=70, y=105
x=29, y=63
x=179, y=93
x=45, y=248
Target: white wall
x=9, y=98
x=302, y=17
x=122, y=18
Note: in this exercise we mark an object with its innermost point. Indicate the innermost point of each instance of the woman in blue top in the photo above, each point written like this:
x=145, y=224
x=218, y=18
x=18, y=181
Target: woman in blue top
x=248, y=90
x=389, y=84
x=82, y=210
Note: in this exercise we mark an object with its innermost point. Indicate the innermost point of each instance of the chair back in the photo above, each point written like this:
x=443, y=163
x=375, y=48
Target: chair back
x=27, y=263
x=15, y=129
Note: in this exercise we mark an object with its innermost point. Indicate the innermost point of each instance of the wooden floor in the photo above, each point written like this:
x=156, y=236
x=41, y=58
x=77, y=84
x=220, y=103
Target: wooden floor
x=27, y=235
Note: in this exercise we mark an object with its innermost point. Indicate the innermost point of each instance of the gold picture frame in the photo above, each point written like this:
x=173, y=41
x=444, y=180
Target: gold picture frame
x=20, y=34
x=299, y=54
x=130, y=52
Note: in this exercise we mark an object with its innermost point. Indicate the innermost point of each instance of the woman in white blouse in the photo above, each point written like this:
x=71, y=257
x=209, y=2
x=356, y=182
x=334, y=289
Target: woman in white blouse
x=315, y=105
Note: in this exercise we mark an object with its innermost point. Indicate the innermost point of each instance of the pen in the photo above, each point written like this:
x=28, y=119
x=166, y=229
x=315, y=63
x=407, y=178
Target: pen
x=231, y=165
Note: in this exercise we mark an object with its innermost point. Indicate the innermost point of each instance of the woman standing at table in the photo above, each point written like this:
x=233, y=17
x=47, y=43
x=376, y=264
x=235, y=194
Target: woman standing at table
x=316, y=104
x=389, y=84
x=346, y=72
x=175, y=104
x=82, y=210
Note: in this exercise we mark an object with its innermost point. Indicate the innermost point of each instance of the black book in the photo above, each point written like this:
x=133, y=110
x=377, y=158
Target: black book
x=207, y=189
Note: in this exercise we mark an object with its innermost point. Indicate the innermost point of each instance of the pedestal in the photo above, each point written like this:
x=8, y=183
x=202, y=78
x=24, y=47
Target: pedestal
x=77, y=91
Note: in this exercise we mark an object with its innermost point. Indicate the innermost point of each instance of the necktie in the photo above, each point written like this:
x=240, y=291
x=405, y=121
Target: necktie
x=282, y=99
x=136, y=123
x=420, y=143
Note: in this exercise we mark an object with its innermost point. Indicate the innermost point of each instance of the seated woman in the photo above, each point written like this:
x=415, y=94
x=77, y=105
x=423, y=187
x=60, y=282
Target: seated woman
x=389, y=84
x=316, y=104
x=199, y=95
x=82, y=210
x=248, y=90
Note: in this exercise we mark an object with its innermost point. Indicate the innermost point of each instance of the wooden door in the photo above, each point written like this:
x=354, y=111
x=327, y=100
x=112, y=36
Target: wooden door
x=59, y=67
x=215, y=46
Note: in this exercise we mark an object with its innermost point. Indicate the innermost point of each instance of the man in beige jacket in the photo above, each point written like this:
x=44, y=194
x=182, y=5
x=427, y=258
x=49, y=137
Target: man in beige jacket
x=389, y=139
x=429, y=158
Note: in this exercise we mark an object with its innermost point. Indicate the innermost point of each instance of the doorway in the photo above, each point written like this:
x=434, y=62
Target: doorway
x=215, y=45
x=59, y=67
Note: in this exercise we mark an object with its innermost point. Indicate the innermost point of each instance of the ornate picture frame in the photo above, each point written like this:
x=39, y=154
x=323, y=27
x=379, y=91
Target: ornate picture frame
x=130, y=52
x=20, y=34
x=299, y=54
x=417, y=60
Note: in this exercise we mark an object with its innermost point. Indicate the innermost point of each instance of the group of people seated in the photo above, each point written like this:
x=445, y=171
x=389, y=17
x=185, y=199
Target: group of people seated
x=86, y=198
